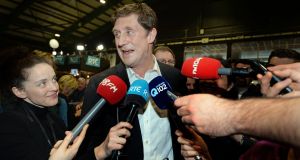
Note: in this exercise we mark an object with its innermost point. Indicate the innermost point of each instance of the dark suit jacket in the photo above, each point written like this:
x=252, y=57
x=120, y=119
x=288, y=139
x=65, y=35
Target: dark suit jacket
x=21, y=137
x=107, y=117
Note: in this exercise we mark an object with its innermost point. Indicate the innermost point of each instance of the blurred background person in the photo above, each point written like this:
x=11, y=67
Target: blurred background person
x=283, y=56
x=192, y=85
x=67, y=86
x=165, y=55
x=76, y=101
x=222, y=87
x=277, y=57
x=247, y=86
x=78, y=94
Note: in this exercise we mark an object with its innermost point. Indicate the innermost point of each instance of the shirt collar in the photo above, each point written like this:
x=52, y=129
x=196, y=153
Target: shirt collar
x=155, y=68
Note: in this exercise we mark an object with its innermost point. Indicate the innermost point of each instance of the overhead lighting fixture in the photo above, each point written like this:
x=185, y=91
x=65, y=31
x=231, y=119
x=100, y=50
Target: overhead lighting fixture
x=102, y=1
x=100, y=47
x=80, y=47
x=57, y=35
x=53, y=43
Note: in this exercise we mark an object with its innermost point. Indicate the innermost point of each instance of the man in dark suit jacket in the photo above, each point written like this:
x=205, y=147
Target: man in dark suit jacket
x=135, y=32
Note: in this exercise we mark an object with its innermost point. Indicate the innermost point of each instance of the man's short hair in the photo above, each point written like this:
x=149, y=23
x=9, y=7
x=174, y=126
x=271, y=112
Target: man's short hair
x=285, y=53
x=164, y=48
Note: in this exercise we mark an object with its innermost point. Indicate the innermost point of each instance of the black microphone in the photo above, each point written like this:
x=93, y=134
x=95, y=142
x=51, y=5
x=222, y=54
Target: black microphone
x=137, y=97
x=259, y=68
x=236, y=72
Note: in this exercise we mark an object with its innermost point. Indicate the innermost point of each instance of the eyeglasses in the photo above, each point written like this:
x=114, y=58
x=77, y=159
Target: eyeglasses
x=170, y=62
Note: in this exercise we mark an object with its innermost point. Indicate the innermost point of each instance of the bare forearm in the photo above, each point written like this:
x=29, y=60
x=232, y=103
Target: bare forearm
x=276, y=119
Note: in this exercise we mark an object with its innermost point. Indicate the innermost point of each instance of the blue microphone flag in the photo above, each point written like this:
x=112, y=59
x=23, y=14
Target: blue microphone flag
x=139, y=87
x=158, y=90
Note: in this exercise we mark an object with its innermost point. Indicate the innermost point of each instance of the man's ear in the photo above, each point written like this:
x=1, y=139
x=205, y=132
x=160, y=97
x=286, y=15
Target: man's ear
x=152, y=35
x=19, y=92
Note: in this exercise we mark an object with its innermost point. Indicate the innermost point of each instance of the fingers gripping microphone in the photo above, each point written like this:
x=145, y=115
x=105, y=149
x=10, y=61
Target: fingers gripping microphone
x=112, y=89
x=259, y=68
x=161, y=93
x=137, y=96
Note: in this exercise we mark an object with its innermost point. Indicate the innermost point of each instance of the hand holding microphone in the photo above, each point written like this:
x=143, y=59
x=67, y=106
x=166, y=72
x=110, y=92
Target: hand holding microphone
x=161, y=93
x=137, y=96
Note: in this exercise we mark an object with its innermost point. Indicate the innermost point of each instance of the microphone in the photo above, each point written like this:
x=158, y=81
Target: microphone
x=208, y=68
x=243, y=72
x=112, y=89
x=161, y=93
x=137, y=97
x=201, y=68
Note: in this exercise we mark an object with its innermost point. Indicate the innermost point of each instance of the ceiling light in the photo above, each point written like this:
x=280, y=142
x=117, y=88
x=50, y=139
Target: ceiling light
x=100, y=47
x=80, y=47
x=57, y=35
x=102, y=1
x=53, y=43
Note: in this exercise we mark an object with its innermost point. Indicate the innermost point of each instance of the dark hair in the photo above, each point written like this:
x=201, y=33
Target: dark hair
x=285, y=53
x=14, y=62
x=164, y=48
x=243, y=61
x=146, y=16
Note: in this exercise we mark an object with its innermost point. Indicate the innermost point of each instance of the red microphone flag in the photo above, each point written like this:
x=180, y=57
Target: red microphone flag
x=201, y=68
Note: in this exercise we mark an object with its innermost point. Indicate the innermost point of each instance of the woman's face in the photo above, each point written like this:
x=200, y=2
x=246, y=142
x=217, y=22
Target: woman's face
x=41, y=87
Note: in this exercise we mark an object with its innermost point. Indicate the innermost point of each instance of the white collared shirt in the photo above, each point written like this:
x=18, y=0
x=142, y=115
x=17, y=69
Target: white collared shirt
x=155, y=128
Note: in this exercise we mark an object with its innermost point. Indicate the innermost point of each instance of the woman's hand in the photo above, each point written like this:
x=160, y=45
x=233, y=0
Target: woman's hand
x=63, y=151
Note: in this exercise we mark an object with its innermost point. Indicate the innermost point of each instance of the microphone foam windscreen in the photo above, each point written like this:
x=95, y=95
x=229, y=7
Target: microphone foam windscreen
x=158, y=90
x=139, y=87
x=138, y=93
x=112, y=89
x=201, y=68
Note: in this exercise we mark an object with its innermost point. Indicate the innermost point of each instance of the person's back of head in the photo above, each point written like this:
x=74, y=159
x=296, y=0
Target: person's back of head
x=283, y=56
x=67, y=84
x=165, y=55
